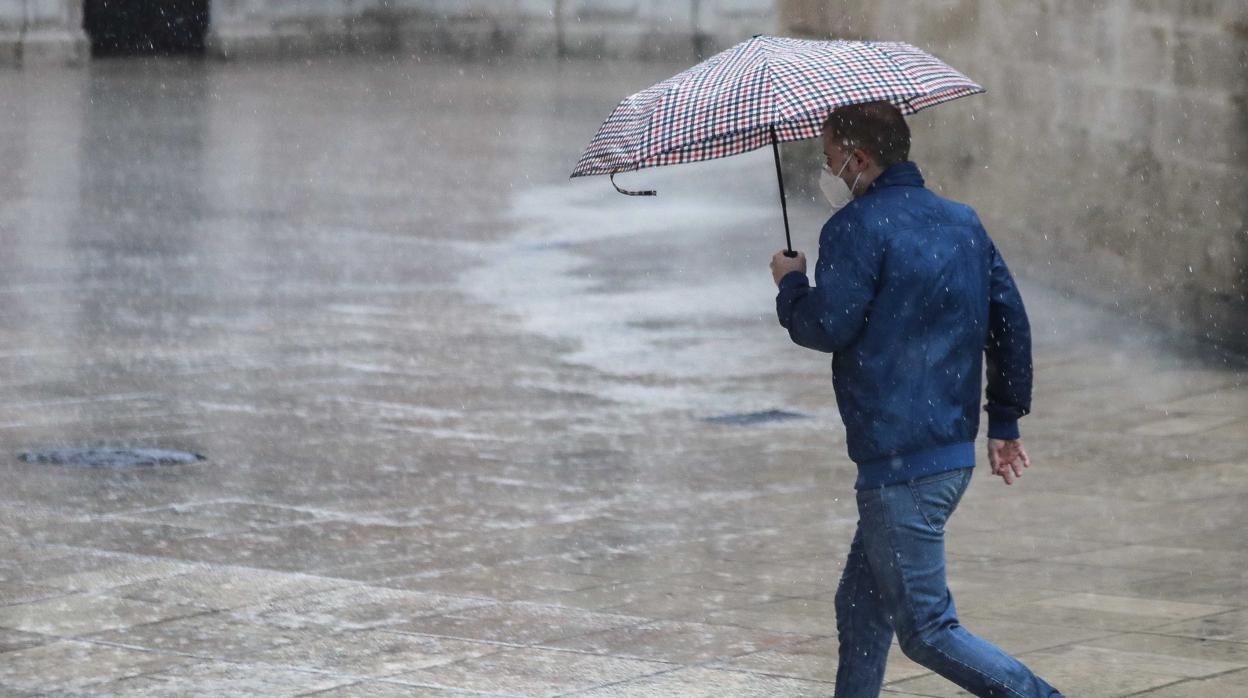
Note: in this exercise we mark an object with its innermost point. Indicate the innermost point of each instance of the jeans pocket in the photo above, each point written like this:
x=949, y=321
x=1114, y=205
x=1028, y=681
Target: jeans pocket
x=935, y=497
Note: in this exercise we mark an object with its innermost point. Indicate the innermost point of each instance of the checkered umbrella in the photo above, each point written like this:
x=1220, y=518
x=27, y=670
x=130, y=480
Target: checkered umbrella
x=764, y=90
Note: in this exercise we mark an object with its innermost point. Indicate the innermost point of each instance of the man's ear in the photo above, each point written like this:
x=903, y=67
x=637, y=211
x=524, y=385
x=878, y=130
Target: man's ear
x=862, y=159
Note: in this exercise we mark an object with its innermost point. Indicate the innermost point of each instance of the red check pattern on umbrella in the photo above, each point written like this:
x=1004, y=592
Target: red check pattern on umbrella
x=728, y=103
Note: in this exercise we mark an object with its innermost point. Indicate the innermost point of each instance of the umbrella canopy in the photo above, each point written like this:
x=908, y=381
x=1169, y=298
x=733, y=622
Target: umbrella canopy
x=764, y=90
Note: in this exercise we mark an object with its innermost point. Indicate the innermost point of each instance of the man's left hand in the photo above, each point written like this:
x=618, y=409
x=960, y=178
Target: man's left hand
x=781, y=265
x=1008, y=458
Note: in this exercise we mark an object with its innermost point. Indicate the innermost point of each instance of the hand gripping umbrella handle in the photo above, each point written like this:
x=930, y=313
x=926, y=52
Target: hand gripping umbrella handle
x=784, y=205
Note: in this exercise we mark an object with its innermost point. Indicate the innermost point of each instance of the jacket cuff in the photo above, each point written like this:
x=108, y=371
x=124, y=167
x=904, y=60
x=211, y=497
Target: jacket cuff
x=1002, y=428
x=793, y=279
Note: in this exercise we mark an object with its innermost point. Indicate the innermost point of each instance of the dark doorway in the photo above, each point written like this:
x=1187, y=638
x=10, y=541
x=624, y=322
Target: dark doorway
x=145, y=27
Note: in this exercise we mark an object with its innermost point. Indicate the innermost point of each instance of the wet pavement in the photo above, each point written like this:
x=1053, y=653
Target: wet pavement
x=459, y=413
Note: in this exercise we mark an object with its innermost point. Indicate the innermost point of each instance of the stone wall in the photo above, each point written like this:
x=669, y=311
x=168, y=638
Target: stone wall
x=41, y=31
x=600, y=28
x=1110, y=154
x=51, y=30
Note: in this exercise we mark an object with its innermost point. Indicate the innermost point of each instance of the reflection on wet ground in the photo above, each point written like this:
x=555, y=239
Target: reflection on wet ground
x=460, y=413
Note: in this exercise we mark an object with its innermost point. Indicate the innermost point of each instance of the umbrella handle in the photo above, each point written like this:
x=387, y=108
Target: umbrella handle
x=644, y=192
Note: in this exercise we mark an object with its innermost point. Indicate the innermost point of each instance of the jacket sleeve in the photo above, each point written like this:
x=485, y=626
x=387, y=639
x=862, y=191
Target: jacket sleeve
x=829, y=315
x=1008, y=353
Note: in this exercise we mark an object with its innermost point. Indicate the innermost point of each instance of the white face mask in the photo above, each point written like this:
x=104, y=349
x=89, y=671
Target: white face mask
x=835, y=190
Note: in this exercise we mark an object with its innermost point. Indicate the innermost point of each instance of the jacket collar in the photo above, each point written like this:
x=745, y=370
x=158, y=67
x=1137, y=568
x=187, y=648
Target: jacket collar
x=901, y=174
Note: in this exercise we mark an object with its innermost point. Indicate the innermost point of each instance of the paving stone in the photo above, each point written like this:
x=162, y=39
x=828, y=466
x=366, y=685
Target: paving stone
x=1083, y=670
x=813, y=659
x=219, y=678
x=1231, y=626
x=679, y=642
x=16, y=592
x=1100, y=612
x=1178, y=649
x=207, y=635
x=79, y=614
x=39, y=569
x=1218, y=590
x=655, y=599
x=377, y=689
x=534, y=672
x=804, y=616
x=1127, y=605
x=358, y=607
x=699, y=682
x=220, y=588
x=1159, y=558
x=120, y=574
x=517, y=622
x=72, y=665
x=16, y=640
x=1226, y=685
x=220, y=517
x=1048, y=578
x=1219, y=402
x=500, y=583
x=374, y=653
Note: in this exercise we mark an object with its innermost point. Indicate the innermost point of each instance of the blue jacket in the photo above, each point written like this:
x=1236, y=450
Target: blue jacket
x=910, y=296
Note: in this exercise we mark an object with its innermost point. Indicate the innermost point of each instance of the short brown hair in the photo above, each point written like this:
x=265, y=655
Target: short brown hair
x=876, y=127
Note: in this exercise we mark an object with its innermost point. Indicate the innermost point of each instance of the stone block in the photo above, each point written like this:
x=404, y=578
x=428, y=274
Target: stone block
x=1146, y=56
x=749, y=9
x=1131, y=116
x=1225, y=262
x=948, y=23
x=47, y=12
x=537, y=8
x=1188, y=13
x=10, y=48
x=45, y=46
x=1203, y=10
x=1218, y=61
x=534, y=40
x=670, y=16
x=724, y=30
x=1201, y=129
x=459, y=38
x=305, y=37
x=11, y=14
x=437, y=9
x=606, y=9
x=807, y=18
x=595, y=40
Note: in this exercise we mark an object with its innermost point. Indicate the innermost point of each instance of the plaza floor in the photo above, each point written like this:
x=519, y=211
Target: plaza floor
x=458, y=413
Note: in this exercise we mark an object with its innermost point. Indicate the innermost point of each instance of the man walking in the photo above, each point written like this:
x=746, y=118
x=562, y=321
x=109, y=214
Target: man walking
x=911, y=295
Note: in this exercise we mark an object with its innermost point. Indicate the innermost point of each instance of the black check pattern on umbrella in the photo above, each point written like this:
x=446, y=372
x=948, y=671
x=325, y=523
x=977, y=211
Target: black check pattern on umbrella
x=731, y=102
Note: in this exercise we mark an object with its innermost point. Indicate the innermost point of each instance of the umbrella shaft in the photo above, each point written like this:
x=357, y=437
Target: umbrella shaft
x=784, y=205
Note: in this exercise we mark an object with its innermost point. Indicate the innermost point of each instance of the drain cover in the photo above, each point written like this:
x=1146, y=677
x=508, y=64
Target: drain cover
x=745, y=419
x=110, y=457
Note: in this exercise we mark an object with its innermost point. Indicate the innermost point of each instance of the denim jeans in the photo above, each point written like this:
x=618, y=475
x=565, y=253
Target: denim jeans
x=894, y=582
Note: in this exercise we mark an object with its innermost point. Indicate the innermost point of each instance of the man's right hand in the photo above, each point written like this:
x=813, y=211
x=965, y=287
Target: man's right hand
x=1007, y=458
